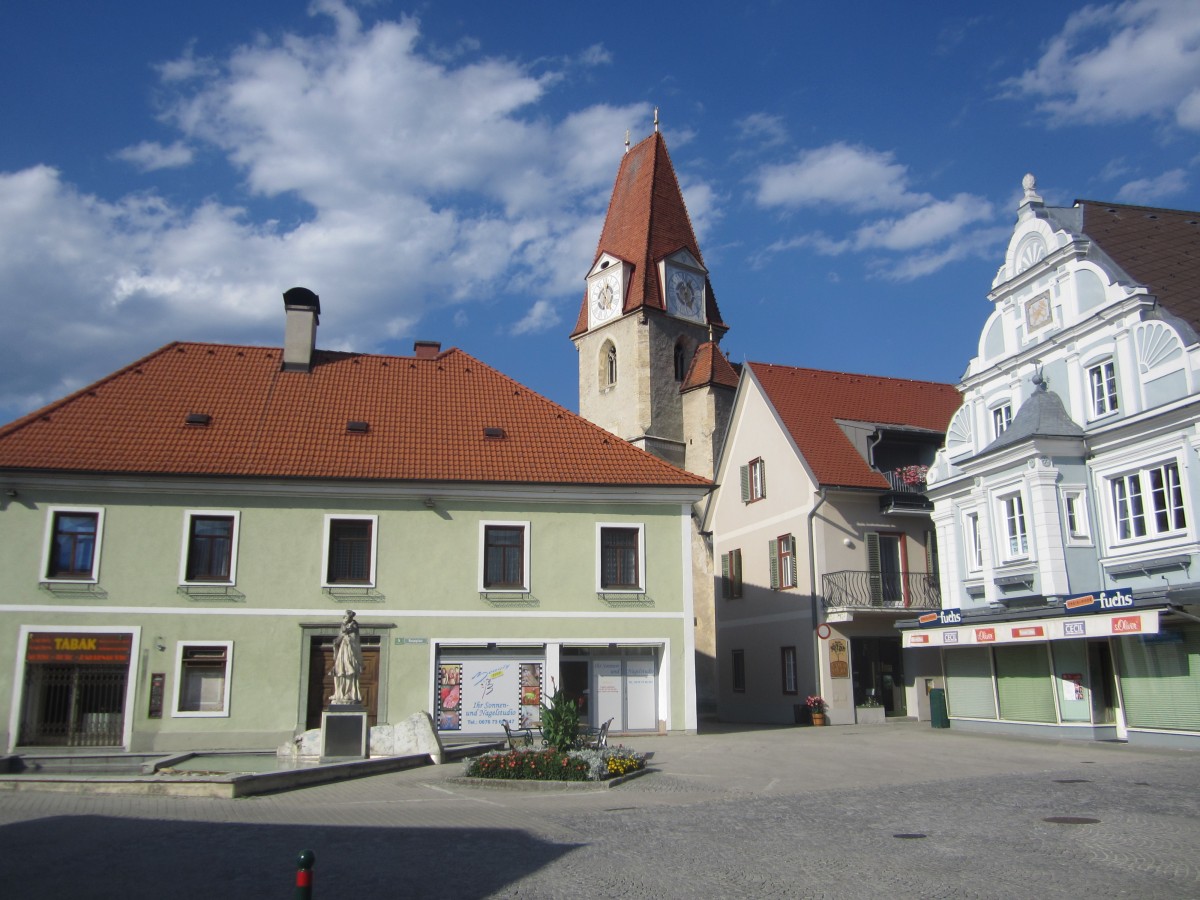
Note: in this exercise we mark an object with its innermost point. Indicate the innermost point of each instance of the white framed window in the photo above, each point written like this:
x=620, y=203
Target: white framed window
x=349, y=550
x=1075, y=516
x=1148, y=503
x=754, y=480
x=504, y=556
x=71, y=550
x=203, y=674
x=973, y=541
x=209, y=553
x=1102, y=387
x=1001, y=419
x=1012, y=511
x=620, y=557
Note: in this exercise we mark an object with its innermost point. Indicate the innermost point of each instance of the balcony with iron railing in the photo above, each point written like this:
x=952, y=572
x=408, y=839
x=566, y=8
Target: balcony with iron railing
x=880, y=590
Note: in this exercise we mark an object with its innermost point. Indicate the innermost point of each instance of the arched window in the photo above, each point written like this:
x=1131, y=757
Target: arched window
x=681, y=361
x=608, y=364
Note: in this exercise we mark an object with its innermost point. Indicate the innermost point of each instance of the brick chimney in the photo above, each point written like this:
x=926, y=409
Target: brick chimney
x=303, y=311
x=427, y=349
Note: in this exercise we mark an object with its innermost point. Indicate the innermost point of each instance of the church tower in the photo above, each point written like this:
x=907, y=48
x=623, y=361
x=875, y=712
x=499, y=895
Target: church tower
x=650, y=369
x=647, y=312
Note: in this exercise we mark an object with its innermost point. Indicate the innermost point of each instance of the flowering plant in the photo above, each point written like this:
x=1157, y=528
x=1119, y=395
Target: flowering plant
x=815, y=703
x=912, y=474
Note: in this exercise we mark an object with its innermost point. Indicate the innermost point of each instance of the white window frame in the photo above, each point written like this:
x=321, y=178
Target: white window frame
x=1002, y=416
x=223, y=712
x=330, y=518
x=1009, y=516
x=1104, y=396
x=641, y=532
x=1149, y=514
x=1076, y=523
x=52, y=513
x=188, y=516
x=525, y=534
x=973, y=541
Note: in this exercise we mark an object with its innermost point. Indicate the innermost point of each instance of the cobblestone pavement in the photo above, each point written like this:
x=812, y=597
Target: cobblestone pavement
x=846, y=812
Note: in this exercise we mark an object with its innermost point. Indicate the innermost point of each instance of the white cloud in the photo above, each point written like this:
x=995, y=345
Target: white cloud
x=151, y=155
x=1148, y=191
x=540, y=317
x=934, y=222
x=762, y=129
x=856, y=178
x=1121, y=62
x=416, y=182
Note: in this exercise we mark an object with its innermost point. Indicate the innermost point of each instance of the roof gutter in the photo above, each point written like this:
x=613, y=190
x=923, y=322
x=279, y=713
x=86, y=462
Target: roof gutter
x=812, y=585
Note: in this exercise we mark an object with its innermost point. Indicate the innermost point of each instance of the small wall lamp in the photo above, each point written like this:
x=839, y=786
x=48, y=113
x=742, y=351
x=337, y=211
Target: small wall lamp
x=159, y=644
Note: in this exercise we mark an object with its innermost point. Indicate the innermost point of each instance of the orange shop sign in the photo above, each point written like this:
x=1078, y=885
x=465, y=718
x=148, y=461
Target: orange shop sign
x=77, y=647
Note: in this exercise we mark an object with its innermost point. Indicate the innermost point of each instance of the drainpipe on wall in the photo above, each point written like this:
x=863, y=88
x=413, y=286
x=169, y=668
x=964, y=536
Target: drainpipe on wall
x=812, y=584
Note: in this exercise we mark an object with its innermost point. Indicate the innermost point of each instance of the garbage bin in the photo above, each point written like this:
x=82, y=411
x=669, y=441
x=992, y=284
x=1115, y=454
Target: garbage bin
x=938, y=716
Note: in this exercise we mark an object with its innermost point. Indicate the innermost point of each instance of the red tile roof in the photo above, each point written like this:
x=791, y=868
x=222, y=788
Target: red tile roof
x=647, y=220
x=811, y=401
x=1158, y=247
x=426, y=421
x=709, y=367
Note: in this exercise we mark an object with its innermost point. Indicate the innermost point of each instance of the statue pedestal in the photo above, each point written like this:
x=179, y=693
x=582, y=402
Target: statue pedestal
x=344, y=732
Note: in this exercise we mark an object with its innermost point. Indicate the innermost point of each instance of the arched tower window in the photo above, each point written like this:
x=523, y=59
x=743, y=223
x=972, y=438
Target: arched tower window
x=608, y=364
x=681, y=359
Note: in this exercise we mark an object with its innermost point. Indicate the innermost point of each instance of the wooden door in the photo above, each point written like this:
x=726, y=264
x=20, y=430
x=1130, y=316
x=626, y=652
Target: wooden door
x=320, y=679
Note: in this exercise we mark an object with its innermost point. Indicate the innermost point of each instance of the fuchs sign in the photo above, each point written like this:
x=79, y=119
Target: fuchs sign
x=1099, y=601
x=941, y=618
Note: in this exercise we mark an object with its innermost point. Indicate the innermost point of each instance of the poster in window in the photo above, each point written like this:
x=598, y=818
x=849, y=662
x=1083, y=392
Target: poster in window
x=531, y=694
x=491, y=694
x=450, y=697
x=839, y=659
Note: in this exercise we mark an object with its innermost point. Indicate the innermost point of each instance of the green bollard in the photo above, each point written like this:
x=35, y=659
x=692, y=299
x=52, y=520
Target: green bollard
x=304, y=874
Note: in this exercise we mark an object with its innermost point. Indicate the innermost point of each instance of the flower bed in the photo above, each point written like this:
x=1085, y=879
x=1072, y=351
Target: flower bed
x=555, y=765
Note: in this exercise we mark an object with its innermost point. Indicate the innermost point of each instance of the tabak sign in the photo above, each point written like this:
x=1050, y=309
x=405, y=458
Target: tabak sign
x=1099, y=601
x=78, y=647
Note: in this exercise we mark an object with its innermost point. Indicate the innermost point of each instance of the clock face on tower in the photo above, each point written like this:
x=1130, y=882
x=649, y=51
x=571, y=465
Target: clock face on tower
x=604, y=298
x=685, y=295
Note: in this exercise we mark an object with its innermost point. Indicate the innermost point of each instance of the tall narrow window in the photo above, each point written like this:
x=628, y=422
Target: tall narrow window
x=209, y=552
x=1001, y=419
x=1014, y=526
x=974, y=542
x=74, y=541
x=754, y=480
x=1075, y=515
x=739, y=671
x=608, y=364
x=680, y=360
x=782, y=553
x=620, y=558
x=505, y=555
x=1103, y=382
x=788, y=665
x=350, y=551
x=731, y=574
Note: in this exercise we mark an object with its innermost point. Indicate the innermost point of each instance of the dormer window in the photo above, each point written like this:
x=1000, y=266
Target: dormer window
x=1001, y=419
x=1102, y=383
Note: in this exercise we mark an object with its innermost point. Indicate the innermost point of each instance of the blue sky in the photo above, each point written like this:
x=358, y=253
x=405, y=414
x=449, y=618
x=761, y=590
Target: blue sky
x=441, y=171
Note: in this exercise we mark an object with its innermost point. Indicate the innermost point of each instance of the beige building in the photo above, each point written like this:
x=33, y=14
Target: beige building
x=823, y=540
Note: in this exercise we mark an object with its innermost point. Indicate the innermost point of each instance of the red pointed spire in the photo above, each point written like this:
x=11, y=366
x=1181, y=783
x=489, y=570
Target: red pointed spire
x=647, y=220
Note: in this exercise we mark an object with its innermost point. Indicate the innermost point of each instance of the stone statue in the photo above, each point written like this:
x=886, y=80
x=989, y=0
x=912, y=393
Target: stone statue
x=347, y=664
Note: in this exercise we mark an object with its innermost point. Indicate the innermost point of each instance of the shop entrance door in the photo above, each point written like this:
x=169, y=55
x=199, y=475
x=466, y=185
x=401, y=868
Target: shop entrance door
x=878, y=672
x=320, y=678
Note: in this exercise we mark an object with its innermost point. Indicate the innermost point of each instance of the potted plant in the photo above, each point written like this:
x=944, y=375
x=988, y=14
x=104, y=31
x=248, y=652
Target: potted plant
x=816, y=706
x=870, y=712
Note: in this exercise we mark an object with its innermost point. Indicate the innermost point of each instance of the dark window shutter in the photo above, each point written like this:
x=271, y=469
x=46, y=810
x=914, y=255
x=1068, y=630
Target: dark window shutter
x=875, y=568
x=735, y=565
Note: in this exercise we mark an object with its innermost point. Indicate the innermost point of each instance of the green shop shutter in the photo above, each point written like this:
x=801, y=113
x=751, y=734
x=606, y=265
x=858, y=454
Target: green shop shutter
x=969, y=683
x=1160, y=678
x=1023, y=683
x=773, y=553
